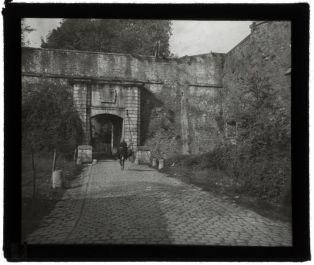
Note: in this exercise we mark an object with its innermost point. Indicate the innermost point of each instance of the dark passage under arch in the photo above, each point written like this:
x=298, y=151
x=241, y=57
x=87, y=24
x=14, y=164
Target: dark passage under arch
x=106, y=133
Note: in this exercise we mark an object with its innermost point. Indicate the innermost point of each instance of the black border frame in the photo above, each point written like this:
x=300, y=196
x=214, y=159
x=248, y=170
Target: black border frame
x=298, y=14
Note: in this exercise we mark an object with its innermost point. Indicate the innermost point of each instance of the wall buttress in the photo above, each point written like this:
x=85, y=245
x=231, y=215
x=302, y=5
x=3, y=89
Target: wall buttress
x=184, y=123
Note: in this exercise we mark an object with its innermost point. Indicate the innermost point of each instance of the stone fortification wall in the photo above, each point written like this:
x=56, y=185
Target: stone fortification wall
x=203, y=70
x=266, y=52
x=176, y=105
x=158, y=93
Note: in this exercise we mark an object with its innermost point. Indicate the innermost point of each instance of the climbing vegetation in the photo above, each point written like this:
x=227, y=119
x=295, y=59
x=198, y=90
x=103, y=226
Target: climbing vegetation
x=261, y=157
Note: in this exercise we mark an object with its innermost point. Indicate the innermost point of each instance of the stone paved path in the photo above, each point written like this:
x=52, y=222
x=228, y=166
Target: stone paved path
x=142, y=206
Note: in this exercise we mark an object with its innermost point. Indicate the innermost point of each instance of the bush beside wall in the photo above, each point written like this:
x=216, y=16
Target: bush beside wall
x=256, y=95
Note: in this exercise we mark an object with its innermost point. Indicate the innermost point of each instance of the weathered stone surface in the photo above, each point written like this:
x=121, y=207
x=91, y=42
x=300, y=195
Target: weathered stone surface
x=174, y=105
x=143, y=156
x=203, y=69
x=267, y=52
x=84, y=153
x=127, y=86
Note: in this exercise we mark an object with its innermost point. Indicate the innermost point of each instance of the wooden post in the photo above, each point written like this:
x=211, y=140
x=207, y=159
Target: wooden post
x=34, y=174
x=54, y=160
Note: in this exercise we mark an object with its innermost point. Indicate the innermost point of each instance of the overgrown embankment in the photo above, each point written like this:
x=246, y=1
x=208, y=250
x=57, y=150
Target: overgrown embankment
x=50, y=125
x=39, y=202
x=260, y=185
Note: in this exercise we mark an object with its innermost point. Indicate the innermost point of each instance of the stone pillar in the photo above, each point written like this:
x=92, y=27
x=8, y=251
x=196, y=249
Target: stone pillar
x=123, y=130
x=85, y=153
x=80, y=101
x=87, y=133
x=184, y=123
x=131, y=120
x=138, y=115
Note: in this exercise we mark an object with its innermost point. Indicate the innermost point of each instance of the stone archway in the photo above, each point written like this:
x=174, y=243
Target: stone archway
x=121, y=100
x=106, y=134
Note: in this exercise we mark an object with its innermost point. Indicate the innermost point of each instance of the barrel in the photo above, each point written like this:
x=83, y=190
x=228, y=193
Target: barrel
x=57, y=179
x=154, y=162
x=94, y=161
x=160, y=164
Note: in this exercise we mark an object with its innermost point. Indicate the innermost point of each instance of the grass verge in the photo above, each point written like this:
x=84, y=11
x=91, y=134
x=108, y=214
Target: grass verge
x=191, y=169
x=35, y=207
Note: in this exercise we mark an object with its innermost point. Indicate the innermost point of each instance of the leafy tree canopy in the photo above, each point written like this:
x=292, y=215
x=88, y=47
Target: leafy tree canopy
x=111, y=35
x=49, y=120
x=25, y=29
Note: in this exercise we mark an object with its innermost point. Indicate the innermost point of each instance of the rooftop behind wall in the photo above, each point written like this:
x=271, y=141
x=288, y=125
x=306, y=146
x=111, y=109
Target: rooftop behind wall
x=201, y=70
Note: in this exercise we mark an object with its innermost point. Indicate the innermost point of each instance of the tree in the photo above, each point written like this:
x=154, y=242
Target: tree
x=50, y=121
x=112, y=35
x=25, y=29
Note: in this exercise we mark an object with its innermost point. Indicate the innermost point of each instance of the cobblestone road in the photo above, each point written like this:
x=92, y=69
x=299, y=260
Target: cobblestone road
x=142, y=206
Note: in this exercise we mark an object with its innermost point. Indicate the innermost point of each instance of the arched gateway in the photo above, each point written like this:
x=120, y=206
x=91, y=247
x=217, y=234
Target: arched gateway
x=109, y=112
x=166, y=105
x=106, y=134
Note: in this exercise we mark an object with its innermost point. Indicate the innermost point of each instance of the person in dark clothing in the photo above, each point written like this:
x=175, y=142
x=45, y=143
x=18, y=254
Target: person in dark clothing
x=123, y=153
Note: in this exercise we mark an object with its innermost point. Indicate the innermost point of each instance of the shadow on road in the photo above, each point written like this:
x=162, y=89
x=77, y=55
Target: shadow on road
x=140, y=170
x=128, y=220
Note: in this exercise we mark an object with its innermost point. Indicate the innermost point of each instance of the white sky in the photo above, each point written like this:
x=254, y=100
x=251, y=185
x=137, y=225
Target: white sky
x=189, y=37
x=197, y=37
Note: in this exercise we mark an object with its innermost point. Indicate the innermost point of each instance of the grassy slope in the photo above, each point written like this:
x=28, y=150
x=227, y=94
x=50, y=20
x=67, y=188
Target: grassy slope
x=34, y=209
x=194, y=170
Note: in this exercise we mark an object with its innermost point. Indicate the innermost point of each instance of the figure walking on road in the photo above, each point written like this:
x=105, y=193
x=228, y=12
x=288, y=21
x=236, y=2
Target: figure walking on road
x=123, y=153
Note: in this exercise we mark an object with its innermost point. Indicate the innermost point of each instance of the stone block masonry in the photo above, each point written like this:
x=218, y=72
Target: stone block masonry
x=205, y=69
x=84, y=153
x=267, y=52
x=144, y=91
x=173, y=106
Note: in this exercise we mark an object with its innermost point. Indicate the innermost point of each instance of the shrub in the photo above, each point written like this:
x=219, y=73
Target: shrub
x=266, y=176
x=49, y=120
